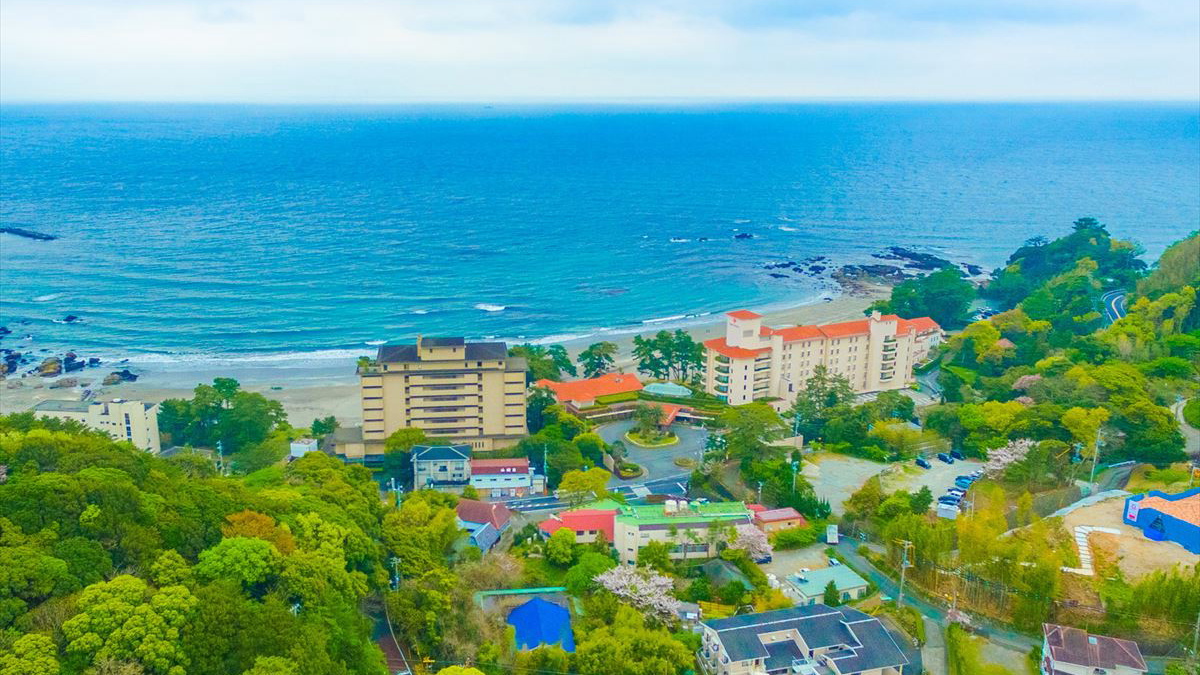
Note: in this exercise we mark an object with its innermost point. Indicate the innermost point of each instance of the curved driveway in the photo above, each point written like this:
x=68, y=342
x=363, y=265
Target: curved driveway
x=658, y=462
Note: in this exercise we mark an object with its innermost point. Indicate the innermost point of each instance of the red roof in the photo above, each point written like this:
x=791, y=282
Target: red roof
x=743, y=314
x=922, y=324
x=797, y=333
x=582, y=520
x=756, y=507
x=473, y=511
x=588, y=390
x=846, y=328
x=719, y=346
x=776, y=515
x=670, y=410
x=514, y=465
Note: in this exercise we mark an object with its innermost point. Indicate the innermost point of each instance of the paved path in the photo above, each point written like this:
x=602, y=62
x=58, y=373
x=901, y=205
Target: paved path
x=1191, y=435
x=933, y=654
x=658, y=462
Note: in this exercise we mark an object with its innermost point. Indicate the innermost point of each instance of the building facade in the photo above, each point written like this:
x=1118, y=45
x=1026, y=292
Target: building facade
x=808, y=588
x=754, y=361
x=506, y=478
x=774, y=520
x=694, y=530
x=470, y=392
x=1073, y=651
x=441, y=467
x=811, y=639
x=132, y=421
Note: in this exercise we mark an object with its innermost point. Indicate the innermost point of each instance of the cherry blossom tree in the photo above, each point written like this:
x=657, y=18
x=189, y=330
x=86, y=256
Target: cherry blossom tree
x=1024, y=382
x=751, y=540
x=642, y=588
x=1011, y=453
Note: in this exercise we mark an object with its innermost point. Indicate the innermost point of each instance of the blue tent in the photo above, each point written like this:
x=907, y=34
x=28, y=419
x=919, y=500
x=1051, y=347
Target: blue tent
x=541, y=622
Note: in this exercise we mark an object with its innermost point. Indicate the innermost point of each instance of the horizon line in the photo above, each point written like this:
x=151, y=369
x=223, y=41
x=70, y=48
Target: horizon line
x=615, y=101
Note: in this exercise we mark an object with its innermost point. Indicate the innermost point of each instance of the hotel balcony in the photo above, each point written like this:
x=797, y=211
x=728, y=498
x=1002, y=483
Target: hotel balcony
x=889, y=347
x=722, y=359
x=724, y=370
x=889, y=357
x=722, y=388
x=723, y=379
x=456, y=379
x=762, y=368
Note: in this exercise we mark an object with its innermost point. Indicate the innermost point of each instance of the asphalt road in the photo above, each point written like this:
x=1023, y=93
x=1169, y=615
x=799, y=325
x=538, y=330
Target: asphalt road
x=657, y=462
x=1114, y=304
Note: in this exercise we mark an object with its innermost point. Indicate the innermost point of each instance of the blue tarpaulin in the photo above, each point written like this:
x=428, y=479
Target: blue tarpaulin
x=540, y=622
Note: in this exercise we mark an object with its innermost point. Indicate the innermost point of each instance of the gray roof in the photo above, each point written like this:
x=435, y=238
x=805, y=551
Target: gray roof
x=54, y=405
x=475, y=351
x=440, y=452
x=867, y=644
x=843, y=579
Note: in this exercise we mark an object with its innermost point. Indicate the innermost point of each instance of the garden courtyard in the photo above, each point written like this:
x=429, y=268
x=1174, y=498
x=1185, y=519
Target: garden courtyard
x=658, y=462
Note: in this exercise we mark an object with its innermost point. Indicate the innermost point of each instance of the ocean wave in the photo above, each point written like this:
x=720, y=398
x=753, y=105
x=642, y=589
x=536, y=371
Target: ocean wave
x=47, y=298
x=419, y=311
x=665, y=319
x=679, y=240
x=161, y=359
x=375, y=343
x=487, y=307
x=741, y=221
x=785, y=228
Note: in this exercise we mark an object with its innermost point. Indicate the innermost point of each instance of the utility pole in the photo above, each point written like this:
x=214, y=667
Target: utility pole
x=1196, y=641
x=795, y=466
x=1095, y=459
x=760, y=491
x=903, y=568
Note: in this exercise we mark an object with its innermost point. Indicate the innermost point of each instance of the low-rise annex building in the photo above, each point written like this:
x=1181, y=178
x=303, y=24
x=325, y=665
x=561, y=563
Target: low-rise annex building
x=809, y=639
x=753, y=361
x=506, y=478
x=808, y=588
x=693, y=529
x=133, y=421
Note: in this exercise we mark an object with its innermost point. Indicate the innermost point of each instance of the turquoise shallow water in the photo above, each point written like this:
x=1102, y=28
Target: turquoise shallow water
x=193, y=231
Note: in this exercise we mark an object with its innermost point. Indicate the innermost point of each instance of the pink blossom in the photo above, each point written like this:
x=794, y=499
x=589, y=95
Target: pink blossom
x=642, y=588
x=751, y=540
x=1011, y=453
x=1024, y=382
x=1025, y=400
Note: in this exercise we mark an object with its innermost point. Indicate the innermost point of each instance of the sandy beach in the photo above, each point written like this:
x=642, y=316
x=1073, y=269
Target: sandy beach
x=311, y=388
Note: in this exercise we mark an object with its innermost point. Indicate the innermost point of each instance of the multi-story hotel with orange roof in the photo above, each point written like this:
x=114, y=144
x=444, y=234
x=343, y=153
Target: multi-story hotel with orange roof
x=754, y=361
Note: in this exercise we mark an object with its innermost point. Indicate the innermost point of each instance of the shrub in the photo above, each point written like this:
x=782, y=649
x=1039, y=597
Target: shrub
x=610, y=399
x=796, y=537
x=1191, y=412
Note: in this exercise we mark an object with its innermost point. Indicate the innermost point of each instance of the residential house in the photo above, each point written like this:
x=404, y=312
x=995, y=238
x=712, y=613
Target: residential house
x=588, y=524
x=133, y=421
x=1073, y=651
x=483, y=522
x=807, y=639
x=753, y=361
x=506, y=478
x=774, y=520
x=470, y=392
x=445, y=467
x=808, y=588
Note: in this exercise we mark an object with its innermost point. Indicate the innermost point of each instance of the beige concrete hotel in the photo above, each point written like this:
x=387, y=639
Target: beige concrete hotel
x=132, y=421
x=472, y=393
x=754, y=361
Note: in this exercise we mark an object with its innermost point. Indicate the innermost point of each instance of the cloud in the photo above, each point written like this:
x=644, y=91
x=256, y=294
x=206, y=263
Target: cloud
x=476, y=50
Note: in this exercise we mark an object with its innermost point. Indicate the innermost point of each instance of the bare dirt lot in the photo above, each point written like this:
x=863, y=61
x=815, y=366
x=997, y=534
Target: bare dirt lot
x=1138, y=555
x=836, y=477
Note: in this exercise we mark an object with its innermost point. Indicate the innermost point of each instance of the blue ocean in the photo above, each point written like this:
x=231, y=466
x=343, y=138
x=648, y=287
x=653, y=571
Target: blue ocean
x=225, y=230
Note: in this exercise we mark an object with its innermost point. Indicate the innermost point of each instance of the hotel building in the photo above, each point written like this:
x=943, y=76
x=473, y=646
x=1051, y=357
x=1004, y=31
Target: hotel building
x=754, y=361
x=472, y=393
x=132, y=421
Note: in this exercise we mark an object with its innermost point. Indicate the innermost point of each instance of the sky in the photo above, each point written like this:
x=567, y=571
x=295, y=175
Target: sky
x=392, y=51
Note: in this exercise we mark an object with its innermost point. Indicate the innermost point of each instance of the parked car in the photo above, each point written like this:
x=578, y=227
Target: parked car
x=957, y=492
x=966, y=485
x=957, y=454
x=967, y=477
x=834, y=562
x=945, y=458
x=763, y=560
x=949, y=499
x=924, y=463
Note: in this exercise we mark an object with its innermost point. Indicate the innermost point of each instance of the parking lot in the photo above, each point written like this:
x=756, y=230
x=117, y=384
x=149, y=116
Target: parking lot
x=836, y=477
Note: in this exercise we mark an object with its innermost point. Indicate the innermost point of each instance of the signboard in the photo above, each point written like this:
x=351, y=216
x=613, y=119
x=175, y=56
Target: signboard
x=831, y=534
x=1131, y=510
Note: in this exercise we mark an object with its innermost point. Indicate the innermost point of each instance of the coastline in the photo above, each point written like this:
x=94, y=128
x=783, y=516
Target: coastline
x=310, y=387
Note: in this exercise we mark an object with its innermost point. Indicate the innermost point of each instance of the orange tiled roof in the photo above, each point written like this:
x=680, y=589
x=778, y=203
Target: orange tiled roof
x=797, y=333
x=920, y=324
x=743, y=314
x=719, y=346
x=587, y=390
x=1186, y=509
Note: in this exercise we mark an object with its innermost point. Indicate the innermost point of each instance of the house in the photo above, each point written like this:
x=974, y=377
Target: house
x=753, y=361
x=583, y=393
x=470, y=392
x=694, y=529
x=133, y=421
x=1072, y=651
x=506, y=478
x=1164, y=517
x=808, y=588
x=540, y=622
x=441, y=466
x=688, y=613
x=807, y=639
x=474, y=512
x=774, y=520
x=301, y=447
x=589, y=524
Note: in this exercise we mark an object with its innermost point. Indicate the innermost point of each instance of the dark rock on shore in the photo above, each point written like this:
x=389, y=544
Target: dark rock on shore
x=921, y=261
x=50, y=367
x=119, y=376
x=28, y=234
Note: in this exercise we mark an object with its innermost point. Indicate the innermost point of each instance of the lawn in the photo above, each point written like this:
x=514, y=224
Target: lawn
x=1171, y=479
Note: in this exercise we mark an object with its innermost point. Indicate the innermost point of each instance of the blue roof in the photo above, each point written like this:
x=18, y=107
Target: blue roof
x=541, y=622
x=485, y=537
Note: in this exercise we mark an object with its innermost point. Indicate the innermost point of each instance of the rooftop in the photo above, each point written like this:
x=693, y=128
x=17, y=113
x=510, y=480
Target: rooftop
x=843, y=578
x=587, y=390
x=1184, y=506
x=475, y=511
x=513, y=465
x=54, y=405
x=474, y=351
x=658, y=514
x=831, y=330
x=440, y=452
x=774, y=515
x=743, y=314
x=1076, y=646
x=865, y=643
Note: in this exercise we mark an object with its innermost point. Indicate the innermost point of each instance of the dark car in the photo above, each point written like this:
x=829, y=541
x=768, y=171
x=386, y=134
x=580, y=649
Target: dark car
x=964, y=484
x=957, y=454
x=945, y=458
x=949, y=499
x=924, y=463
x=763, y=560
x=966, y=477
